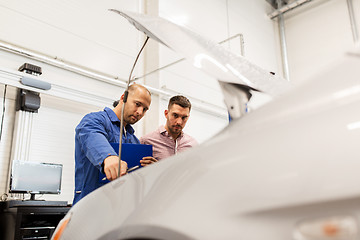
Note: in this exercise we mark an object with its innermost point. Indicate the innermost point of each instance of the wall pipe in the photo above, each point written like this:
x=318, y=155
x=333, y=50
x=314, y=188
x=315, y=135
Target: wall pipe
x=354, y=27
x=212, y=109
x=12, y=78
x=70, y=67
x=283, y=42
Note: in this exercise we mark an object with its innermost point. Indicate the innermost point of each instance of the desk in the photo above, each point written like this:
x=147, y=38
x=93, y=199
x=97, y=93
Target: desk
x=30, y=220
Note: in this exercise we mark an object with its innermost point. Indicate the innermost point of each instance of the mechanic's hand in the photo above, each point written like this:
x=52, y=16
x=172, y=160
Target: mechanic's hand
x=147, y=161
x=111, y=167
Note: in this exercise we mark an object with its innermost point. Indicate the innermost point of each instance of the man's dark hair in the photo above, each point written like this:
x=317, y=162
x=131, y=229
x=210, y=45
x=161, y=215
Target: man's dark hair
x=115, y=103
x=181, y=101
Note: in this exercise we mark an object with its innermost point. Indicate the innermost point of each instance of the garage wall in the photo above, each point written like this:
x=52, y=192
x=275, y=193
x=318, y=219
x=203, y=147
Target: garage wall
x=79, y=32
x=317, y=34
x=86, y=35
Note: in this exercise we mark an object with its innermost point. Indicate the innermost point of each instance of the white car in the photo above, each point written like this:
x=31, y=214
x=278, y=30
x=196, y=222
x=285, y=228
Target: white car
x=288, y=170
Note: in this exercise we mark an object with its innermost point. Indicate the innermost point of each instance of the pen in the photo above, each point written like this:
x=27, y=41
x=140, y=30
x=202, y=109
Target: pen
x=133, y=168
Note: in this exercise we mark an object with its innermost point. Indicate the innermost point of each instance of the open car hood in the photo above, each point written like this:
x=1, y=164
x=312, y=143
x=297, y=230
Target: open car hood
x=207, y=55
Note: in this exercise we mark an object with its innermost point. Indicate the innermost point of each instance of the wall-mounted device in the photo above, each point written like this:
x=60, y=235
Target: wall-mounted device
x=31, y=69
x=31, y=82
x=28, y=101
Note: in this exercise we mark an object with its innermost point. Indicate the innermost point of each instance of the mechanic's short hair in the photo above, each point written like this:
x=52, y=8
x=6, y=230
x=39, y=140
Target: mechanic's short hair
x=181, y=101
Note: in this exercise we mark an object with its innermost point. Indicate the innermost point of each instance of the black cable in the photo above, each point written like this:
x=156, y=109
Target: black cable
x=3, y=113
x=124, y=103
x=137, y=57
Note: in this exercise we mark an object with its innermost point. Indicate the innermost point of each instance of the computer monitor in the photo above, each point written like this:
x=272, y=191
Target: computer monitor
x=35, y=178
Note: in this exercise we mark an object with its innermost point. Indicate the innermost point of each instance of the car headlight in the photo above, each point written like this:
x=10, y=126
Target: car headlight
x=334, y=228
x=61, y=227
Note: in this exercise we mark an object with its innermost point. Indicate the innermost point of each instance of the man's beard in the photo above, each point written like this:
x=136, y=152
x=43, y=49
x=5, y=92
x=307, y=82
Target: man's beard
x=131, y=119
x=175, y=130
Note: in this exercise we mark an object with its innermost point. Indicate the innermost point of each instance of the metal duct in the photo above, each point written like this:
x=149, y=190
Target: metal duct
x=287, y=7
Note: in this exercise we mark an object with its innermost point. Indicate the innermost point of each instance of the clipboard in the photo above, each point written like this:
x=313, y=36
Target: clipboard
x=130, y=153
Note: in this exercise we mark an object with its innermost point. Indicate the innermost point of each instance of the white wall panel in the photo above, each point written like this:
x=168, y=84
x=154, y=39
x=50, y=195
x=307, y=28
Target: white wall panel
x=317, y=34
x=206, y=17
x=249, y=18
x=81, y=32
